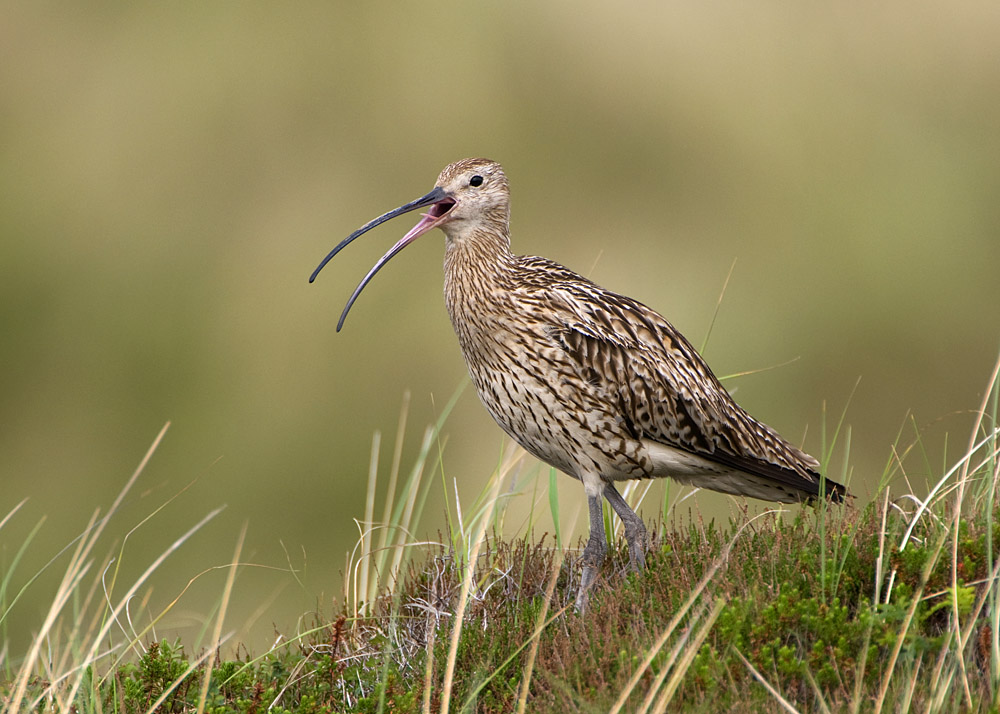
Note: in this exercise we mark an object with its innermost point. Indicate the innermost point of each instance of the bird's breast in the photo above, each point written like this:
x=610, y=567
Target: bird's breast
x=537, y=396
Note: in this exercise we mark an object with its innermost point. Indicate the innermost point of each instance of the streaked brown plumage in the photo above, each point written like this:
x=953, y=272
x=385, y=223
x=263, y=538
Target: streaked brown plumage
x=590, y=381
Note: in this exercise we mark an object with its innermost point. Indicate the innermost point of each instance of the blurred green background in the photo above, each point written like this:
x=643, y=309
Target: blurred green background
x=170, y=174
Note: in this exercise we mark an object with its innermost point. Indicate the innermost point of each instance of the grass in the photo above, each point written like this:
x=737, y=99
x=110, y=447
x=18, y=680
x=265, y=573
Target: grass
x=886, y=606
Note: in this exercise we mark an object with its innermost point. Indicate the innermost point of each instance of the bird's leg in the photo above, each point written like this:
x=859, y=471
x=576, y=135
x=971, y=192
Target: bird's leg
x=593, y=554
x=635, y=529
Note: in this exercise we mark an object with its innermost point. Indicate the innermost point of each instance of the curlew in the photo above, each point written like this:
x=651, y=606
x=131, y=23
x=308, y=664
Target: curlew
x=592, y=382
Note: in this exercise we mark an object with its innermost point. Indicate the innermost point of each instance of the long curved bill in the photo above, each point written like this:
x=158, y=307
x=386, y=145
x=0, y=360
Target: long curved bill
x=437, y=198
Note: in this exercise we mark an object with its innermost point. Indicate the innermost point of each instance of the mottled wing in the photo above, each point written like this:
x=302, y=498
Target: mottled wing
x=663, y=388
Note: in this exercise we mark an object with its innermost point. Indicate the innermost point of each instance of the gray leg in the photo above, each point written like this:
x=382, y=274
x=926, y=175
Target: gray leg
x=593, y=554
x=635, y=529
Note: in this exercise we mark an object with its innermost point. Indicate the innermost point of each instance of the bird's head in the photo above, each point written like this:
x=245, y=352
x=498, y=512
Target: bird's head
x=470, y=195
x=476, y=195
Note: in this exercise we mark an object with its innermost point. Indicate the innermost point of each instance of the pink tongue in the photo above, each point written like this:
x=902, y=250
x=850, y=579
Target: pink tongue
x=426, y=223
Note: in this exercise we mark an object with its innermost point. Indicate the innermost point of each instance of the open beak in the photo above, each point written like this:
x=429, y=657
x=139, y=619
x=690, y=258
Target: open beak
x=441, y=205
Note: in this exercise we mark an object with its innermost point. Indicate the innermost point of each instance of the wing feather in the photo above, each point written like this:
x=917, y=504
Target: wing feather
x=663, y=388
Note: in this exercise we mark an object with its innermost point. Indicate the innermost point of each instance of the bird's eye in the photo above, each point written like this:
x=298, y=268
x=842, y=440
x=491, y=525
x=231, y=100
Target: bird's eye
x=476, y=181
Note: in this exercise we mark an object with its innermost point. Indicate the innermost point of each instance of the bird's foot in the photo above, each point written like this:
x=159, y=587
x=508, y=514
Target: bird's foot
x=586, y=582
x=635, y=535
x=637, y=556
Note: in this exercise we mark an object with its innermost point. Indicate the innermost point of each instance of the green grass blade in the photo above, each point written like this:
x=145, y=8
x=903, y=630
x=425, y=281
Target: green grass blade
x=554, y=505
